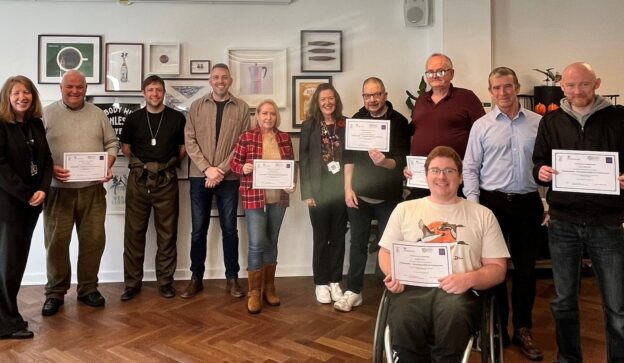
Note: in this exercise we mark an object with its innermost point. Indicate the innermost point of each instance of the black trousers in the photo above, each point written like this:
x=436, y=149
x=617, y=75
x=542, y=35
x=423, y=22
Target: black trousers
x=519, y=216
x=14, y=247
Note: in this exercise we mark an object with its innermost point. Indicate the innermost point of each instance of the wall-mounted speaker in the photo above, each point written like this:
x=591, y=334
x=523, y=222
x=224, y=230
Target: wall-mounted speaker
x=416, y=12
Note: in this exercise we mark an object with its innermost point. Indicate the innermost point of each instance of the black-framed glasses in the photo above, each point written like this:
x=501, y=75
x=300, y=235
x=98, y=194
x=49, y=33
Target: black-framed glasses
x=445, y=171
x=376, y=96
x=438, y=73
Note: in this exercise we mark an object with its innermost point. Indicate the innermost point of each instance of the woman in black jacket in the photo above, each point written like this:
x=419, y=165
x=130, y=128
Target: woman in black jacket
x=322, y=188
x=25, y=175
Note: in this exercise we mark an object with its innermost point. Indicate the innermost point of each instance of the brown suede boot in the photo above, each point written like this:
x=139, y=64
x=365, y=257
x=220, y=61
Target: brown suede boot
x=254, y=296
x=268, y=290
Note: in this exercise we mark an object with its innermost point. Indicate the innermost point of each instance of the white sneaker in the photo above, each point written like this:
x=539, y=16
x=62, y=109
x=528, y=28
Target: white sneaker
x=348, y=301
x=336, y=291
x=323, y=294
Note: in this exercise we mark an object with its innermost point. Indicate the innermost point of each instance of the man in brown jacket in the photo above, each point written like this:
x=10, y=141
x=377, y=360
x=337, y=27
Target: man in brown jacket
x=215, y=122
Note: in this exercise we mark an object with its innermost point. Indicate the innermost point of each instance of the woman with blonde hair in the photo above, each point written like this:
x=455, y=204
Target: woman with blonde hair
x=25, y=176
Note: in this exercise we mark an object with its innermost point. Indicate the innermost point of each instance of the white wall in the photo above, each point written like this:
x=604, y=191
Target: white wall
x=375, y=41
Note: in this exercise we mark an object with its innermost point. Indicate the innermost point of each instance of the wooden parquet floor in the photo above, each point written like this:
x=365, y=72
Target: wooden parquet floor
x=214, y=327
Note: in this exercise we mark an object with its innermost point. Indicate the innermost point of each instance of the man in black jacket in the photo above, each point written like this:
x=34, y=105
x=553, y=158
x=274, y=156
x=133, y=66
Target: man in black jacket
x=581, y=221
x=373, y=185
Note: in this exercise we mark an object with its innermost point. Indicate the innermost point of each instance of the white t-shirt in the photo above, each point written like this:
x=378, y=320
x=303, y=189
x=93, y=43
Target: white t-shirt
x=471, y=225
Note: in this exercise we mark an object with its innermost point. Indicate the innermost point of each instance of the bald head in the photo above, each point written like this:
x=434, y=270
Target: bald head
x=579, y=84
x=579, y=68
x=73, y=89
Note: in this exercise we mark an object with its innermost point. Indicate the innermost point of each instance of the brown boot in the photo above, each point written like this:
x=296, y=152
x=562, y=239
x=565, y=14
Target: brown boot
x=268, y=290
x=194, y=286
x=233, y=287
x=254, y=296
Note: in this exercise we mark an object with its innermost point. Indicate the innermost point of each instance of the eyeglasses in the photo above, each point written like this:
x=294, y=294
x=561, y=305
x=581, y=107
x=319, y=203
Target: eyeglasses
x=447, y=171
x=376, y=96
x=439, y=73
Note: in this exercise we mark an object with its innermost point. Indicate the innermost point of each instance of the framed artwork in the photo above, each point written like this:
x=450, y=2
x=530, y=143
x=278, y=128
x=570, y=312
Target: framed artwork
x=259, y=74
x=124, y=67
x=117, y=109
x=200, y=67
x=164, y=58
x=321, y=51
x=181, y=92
x=116, y=187
x=303, y=87
x=61, y=53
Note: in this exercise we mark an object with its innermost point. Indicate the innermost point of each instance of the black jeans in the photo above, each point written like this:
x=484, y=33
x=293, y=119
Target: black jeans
x=519, y=216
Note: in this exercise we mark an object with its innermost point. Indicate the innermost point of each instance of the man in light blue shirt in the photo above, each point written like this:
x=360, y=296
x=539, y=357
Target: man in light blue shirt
x=498, y=174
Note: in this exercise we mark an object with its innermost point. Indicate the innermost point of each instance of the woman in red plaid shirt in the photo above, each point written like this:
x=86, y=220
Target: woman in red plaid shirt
x=264, y=208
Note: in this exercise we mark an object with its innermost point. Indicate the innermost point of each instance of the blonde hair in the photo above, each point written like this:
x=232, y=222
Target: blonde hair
x=272, y=103
x=6, y=111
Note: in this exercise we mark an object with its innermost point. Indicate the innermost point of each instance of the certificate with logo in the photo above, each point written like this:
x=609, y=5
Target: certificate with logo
x=416, y=165
x=420, y=263
x=366, y=134
x=273, y=174
x=86, y=166
x=593, y=172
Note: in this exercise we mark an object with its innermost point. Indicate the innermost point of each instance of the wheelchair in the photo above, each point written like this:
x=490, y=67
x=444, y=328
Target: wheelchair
x=488, y=340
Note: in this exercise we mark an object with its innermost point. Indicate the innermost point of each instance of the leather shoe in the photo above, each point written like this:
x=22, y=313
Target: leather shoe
x=51, y=306
x=194, y=286
x=233, y=287
x=130, y=293
x=93, y=299
x=522, y=338
x=20, y=334
x=167, y=291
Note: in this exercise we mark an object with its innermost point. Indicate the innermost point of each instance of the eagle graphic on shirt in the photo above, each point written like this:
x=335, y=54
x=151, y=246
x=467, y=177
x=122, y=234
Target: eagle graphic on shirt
x=439, y=232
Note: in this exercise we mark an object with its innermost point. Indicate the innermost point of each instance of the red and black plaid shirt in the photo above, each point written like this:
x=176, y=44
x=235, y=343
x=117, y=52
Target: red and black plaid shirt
x=248, y=148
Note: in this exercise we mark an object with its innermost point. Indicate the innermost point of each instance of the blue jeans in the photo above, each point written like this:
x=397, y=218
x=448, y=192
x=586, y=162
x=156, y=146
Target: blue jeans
x=201, y=203
x=360, y=219
x=605, y=245
x=263, y=226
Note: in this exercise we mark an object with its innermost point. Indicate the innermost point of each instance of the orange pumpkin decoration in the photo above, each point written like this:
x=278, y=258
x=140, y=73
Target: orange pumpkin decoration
x=552, y=107
x=541, y=108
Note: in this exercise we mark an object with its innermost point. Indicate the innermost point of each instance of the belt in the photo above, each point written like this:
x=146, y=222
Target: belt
x=510, y=197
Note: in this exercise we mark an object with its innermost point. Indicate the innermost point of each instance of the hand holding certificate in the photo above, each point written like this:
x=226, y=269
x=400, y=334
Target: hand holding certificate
x=421, y=264
x=367, y=134
x=273, y=174
x=586, y=172
x=86, y=166
x=416, y=165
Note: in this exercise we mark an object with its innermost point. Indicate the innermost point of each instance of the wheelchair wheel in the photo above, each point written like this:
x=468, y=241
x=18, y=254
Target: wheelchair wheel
x=380, y=328
x=491, y=335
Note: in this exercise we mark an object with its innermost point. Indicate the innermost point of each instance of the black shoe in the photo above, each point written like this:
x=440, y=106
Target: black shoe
x=522, y=337
x=51, y=306
x=94, y=299
x=167, y=291
x=20, y=334
x=129, y=293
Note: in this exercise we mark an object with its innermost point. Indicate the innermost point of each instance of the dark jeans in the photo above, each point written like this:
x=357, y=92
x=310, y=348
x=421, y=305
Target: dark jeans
x=519, y=216
x=201, y=203
x=263, y=226
x=430, y=325
x=329, y=225
x=360, y=220
x=605, y=245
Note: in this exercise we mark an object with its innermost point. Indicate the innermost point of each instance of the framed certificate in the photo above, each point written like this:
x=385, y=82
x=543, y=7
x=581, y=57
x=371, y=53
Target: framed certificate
x=593, y=172
x=421, y=263
x=367, y=134
x=86, y=166
x=416, y=165
x=273, y=174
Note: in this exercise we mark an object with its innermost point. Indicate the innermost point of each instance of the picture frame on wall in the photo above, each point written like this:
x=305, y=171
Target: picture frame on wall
x=259, y=74
x=321, y=51
x=116, y=187
x=303, y=87
x=124, y=67
x=58, y=54
x=164, y=58
x=117, y=108
x=181, y=92
x=200, y=67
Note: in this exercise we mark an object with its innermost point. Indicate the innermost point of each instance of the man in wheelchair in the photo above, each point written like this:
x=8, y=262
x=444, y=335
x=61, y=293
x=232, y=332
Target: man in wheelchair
x=434, y=324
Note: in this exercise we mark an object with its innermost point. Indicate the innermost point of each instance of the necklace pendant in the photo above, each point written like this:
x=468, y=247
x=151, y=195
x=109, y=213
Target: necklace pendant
x=153, y=141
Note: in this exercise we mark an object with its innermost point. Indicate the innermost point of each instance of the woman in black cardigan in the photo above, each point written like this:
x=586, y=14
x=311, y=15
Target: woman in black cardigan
x=322, y=188
x=25, y=175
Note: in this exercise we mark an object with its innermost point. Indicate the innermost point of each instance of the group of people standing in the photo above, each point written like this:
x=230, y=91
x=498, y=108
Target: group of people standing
x=506, y=153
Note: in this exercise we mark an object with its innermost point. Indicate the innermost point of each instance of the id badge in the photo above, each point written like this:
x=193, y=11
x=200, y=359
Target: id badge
x=33, y=169
x=334, y=167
